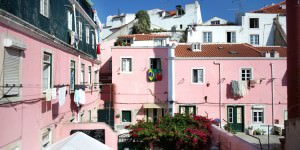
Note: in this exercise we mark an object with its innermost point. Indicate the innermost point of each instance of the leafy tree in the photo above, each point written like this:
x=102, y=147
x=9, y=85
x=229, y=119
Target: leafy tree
x=143, y=24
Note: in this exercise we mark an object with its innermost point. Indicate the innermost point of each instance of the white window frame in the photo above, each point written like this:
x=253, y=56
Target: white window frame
x=121, y=65
x=203, y=75
x=93, y=41
x=187, y=106
x=51, y=79
x=44, y=8
x=228, y=111
x=80, y=30
x=159, y=42
x=254, y=25
x=87, y=34
x=155, y=58
x=70, y=20
x=82, y=73
x=206, y=36
x=257, y=110
x=89, y=75
x=72, y=87
x=231, y=37
x=251, y=73
x=254, y=39
x=285, y=114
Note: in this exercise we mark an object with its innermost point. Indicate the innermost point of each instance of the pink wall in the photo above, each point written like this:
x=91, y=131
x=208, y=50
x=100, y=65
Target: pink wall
x=189, y=93
x=229, y=141
x=132, y=89
x=105, y=56
x=111, y=137
x=24, y=121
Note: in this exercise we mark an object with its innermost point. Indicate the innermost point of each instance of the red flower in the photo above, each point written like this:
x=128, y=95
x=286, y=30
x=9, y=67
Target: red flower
x=195, y=141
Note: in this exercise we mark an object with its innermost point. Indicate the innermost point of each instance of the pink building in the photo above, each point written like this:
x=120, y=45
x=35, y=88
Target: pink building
x=236, y=83
x=140, y=79
x=42, y=64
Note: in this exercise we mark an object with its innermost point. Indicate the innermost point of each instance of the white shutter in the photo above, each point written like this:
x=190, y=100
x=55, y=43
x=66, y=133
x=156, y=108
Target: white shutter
x=11, y=71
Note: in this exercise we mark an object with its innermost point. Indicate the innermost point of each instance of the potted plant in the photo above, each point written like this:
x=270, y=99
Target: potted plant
x=250, y=130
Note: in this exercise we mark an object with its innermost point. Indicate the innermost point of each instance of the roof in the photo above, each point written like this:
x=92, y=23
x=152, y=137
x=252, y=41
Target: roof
x=281, y=50
x=279, y=8
x=225, y=50
x=144, y=37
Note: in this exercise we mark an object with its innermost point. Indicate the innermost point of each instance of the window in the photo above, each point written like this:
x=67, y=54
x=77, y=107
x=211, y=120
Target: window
x=72, y=75
x=70, y=20
x=44, y=8
x=197, y=76
x=254, y=39
x=254, y=22
x=155, y=63
x=87, y=34
x=231, y=37
x=159, y=42
x=90, y=115
x=11, y=72
x=46, y=138
x=180, y=26
x=96, y=79
x=187, y=110
x=126, y=116
x=93, y=41
x=215, y=22
x=207, y=37
x=80, y=30
x=82, y=73
x=285, y=115
x=246, y=74
x=47, y=71
x=90, y=75
x=126, y=65
x=258, y=115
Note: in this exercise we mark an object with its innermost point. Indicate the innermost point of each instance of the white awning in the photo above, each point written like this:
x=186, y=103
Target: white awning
x=154, y=105
x=78, y=141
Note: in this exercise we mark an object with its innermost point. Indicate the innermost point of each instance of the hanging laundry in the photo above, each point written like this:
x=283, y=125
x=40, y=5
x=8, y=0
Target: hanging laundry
x=242, y=88
x=48, y=95
x=62, y=95
x=82, y=97
x=53, y=93
x=77, y=97
x=235, y=88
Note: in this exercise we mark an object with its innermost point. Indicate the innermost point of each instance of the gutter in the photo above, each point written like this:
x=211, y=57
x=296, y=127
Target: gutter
x=220, y=92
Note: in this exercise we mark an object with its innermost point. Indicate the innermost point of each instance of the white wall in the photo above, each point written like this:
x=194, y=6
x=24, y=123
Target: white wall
x=243, y=31
x=222, y=21
x=219, y=33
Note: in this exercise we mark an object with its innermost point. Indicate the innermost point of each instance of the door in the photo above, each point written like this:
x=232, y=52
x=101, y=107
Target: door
x=235, y=117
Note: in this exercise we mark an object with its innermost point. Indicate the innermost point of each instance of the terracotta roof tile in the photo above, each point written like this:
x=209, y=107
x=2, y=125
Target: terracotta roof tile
x=281, y=50
x=217, y=50
x=273, y=9
x=143, y=37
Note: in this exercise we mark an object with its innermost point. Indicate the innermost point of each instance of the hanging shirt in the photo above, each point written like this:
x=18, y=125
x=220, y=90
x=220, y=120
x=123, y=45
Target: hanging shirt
x=48, y=94
x=62, y=95
x=53, y=93
x=82, y=97
x=77, y=97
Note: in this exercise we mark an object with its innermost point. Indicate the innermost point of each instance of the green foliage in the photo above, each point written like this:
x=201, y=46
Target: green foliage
x=143, y=24
x=259, y=132
x=228, y=128
x=183, y=38
x=171, y=133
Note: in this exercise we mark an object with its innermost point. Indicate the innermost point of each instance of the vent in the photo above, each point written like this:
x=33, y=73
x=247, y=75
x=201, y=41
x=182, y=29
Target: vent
x=233, y=52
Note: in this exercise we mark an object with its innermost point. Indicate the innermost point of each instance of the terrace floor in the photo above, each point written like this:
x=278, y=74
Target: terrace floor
x=274, y=141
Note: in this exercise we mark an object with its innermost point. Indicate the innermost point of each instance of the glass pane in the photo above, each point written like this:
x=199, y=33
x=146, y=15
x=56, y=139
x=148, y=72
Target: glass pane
x=47, y=58
x=239, y=115
x=126, y=116
x=46, y=76
x=195, y=76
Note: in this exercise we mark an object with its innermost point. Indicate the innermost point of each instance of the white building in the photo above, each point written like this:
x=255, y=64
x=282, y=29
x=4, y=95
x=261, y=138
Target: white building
x=175, y=20
x=259, y=28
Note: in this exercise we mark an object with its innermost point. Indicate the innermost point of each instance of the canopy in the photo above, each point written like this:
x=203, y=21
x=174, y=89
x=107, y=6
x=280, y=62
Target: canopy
x=78, y=141
x=154, y=105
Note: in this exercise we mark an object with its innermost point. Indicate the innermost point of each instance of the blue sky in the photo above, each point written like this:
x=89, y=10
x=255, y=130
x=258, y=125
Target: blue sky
x=222, y=8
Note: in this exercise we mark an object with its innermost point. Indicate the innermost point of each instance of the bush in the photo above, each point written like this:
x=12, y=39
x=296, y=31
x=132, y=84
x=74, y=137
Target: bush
x=178, y=132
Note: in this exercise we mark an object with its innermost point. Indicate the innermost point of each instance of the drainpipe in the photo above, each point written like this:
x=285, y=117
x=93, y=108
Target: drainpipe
x=171, y=79
x=75, y=18
x=272, y=84
x=220, y=92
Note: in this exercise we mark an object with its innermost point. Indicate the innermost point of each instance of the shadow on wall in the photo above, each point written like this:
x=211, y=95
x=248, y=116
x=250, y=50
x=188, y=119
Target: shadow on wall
x=284, y=79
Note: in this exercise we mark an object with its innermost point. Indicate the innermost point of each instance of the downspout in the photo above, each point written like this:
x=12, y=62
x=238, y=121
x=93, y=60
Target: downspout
x=220, y=92
x=75, y=19
x=272, y=85
x=171, y=79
